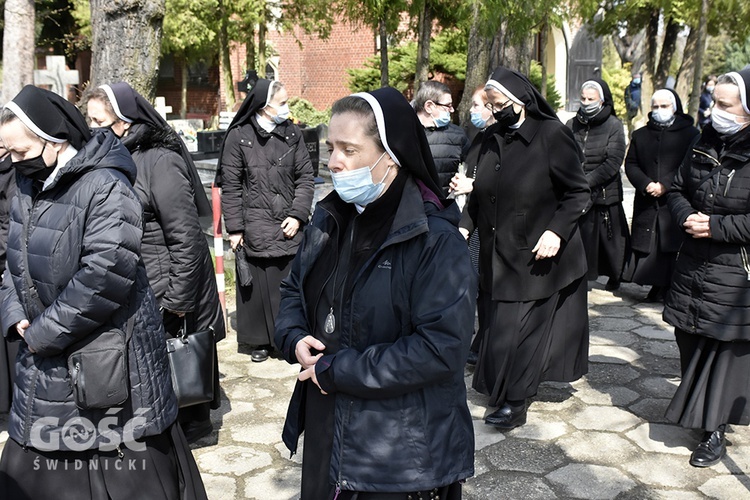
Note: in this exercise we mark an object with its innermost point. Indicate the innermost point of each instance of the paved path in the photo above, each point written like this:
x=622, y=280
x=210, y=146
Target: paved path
x=603, y=436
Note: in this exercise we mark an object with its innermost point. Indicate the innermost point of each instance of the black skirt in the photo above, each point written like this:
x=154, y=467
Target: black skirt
x=8, y=351
x=606, y=239
x=165, y=470
x=715, y=385
x=568, y=358
x=258, y=304
x=652, y=268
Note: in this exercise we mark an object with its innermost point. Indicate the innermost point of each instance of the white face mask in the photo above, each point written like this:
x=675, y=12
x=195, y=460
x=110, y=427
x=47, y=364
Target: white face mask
x=726, y=123
x=282, y=113
x=662, y=115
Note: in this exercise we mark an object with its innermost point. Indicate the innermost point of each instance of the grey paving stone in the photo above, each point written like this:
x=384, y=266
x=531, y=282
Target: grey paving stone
x=610, y=374
x=604, y=418
x=662, y=349
x=613, y=324
x=659, y=387
x=219, y=486
x=612, y=354
x=273, y=484
x=591, y=481
x=643, y=492
x=651, y=409
x=607, y=395
x=601, y=448
x=273, y=369
x=507, y=485
x=285, y=454
x=613, y=311
x=606, y=337
x=233, y=459
x=666, y=471
x=541, y=426
x=728, y=487
x=664, y=438
x=524, y=455
x=258, y=433
x=485, y=435
x=655, y=333
x=666, y=367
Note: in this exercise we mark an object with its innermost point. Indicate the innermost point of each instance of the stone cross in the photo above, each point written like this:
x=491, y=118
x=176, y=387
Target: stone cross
x=160, y=105
x=56, y=75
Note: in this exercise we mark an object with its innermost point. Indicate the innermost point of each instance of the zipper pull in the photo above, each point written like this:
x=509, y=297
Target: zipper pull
x=729, y=181
x=338, y=491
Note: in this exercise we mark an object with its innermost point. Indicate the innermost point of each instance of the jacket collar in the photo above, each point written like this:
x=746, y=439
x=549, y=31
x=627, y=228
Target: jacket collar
x=525, y=132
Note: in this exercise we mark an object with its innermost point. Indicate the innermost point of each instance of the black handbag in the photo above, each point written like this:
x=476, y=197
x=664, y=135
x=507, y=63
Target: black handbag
x=191, y=365
x=97, y=364
x=244, y=276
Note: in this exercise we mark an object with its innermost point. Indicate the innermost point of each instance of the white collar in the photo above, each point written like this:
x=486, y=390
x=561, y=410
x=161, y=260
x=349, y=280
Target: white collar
x=62, y=160
x=265, y=123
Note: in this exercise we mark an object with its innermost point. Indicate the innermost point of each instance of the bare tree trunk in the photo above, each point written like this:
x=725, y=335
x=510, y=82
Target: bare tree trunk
x=18, y=47
x=250, y=51
x=126, y=43
x=423, y=45
x=183, y=88
x=507, y=51
x=543, y=56
x=383, y=53
x=695, y=94
x=667, y=52
x=262, y=29
x=652, y=42
x=687, y=68
x=477, y=64
x=224, y=62
x=630, y=48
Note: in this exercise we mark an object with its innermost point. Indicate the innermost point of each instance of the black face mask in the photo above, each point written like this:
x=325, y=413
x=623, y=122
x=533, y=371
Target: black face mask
x=507, y=116
x=34, y=168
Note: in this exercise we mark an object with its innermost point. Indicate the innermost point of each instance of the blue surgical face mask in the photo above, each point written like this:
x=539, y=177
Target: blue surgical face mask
x=637, y=81
x=282, y=113
x=662, y=115
x=356, y=186
x=477, y=120
x=443, y=119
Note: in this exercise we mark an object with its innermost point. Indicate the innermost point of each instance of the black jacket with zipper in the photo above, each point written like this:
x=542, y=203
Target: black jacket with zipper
x=710, y=292
x=401, y=420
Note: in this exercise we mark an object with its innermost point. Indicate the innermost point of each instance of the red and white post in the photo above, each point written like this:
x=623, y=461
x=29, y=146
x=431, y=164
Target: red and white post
x=218, y=245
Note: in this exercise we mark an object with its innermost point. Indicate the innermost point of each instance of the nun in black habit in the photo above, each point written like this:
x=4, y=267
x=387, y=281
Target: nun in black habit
x=654, y=155
x=74, y=268
x=604, y=227
x=528, y=195
x=267, y=188
x=709, y=300
x=174, y=247
x=379, y=324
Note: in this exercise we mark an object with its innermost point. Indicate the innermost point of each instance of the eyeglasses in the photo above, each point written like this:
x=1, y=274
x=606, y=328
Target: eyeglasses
x=493, y=109
x=448, y=106
x=661, y=106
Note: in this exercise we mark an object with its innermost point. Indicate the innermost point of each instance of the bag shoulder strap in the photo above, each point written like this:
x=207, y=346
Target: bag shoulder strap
x=35, y=301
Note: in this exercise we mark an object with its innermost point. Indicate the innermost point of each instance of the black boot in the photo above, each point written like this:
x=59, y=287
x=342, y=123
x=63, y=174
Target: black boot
x=507, y=417
x=710, y=450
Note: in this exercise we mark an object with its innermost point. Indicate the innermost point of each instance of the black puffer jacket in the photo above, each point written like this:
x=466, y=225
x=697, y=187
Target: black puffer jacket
x=7, y=190
x=266, y=177
x=174, y=247
x=602, y=140
x=710, y=292
x=398, y=375
x=448, y=146
x=84, y=235
x=654, y=155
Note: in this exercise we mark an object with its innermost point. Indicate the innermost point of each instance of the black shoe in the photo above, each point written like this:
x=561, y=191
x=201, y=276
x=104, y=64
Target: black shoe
x=473, y=358
x=656, y=294
x=710, y=450
x=195, y=430
x=612, y=284
x=505, y=418
x=261, y=353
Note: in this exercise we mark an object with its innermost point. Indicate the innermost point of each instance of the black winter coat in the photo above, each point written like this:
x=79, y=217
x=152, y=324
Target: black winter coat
x=528, y=181
x=266, y=177
x=654, y=155
x=83, y=240
x=400, y=410
x=448, y=146
x=7, y=191
x=602, y=140
x=174, y=248
x=710, y=292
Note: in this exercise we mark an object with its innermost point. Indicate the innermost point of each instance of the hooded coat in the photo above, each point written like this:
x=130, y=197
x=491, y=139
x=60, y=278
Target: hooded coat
x=265, y=177
x=401, y=420
x=174, y=247
x=654, y=155
x=602, y=139
x=710, y=292
x=83, y=241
